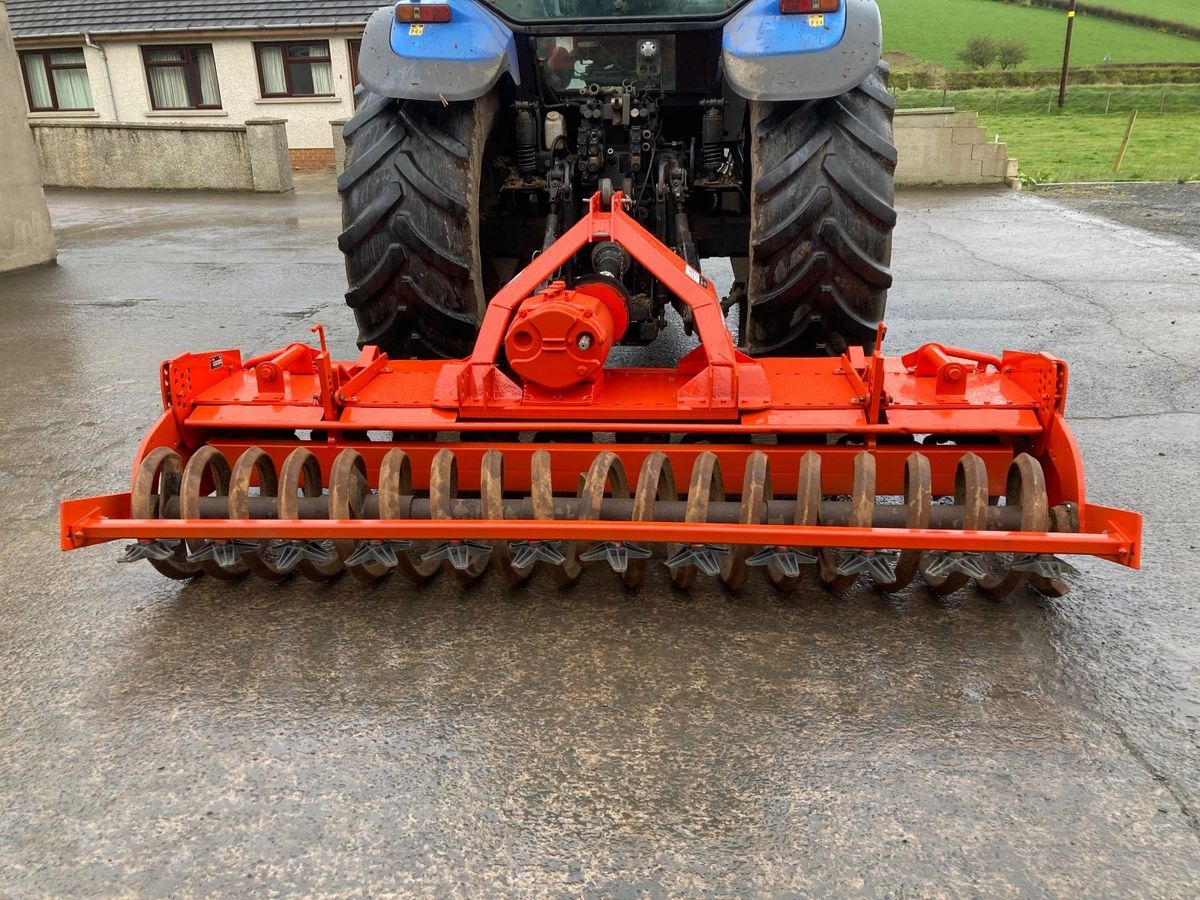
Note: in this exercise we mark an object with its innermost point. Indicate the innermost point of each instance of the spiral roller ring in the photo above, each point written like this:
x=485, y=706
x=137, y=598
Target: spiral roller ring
x=807, y=512
x=301, y=476
x=606, y=470
x=207, y=463
x=255, y=461
x=707, y=485
x=443, y=491
x=156, y=482
x=395, y=485
x=348, y=491
x=656, y=481
x=491, y=495
x=918, y=499
x=756, y=491
x=970, y=492
x=862, y=505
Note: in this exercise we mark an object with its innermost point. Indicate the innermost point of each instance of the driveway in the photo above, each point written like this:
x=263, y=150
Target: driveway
x=161, y=738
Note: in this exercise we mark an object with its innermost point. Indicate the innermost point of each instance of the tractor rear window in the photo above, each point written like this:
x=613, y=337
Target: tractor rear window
x=572, y=63
x=538, y=10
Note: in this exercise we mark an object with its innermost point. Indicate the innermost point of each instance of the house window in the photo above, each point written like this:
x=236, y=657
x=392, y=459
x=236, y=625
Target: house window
x=301, y=69
x=182, y=77
x=353, y=48
x=56, y=79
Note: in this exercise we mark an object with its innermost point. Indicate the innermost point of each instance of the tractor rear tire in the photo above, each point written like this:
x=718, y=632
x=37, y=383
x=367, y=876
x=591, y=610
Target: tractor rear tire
x=821, y=221
x=410, y=216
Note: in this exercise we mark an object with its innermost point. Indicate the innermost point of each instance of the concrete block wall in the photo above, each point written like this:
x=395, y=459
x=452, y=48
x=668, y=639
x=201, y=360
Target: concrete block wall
x=25, y=235
x=944, y=146
x=250, y=157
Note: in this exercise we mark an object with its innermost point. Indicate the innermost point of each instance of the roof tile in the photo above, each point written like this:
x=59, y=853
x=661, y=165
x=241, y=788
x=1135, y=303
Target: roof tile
x=32, y=18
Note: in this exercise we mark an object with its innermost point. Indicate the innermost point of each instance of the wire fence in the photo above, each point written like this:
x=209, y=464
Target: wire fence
x=1082, y=100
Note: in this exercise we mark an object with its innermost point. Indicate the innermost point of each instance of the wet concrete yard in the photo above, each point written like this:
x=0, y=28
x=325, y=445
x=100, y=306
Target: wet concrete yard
x=163, y=738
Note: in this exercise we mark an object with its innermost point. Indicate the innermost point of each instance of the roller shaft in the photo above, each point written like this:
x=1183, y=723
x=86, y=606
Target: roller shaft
x=725, y=512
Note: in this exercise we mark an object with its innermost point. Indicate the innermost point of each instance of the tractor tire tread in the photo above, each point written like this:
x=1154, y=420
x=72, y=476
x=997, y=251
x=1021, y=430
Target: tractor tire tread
x=822, y=215
x=409, y=211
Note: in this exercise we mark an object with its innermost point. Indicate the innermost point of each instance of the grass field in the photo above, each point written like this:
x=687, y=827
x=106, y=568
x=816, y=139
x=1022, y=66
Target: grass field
x=1084, y=148
x=1185, y=11
x=936, y=30
x=1081, y=142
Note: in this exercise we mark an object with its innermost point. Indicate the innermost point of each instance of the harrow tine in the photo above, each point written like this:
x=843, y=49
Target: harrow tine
x=526, y=553
x=458, y=553
x=1045, y=566
x=617, y=553
x=158, y=550
x=702, y=556
x=787, y=560
x=969, y=564
x=288, y=554
x=381, y=552
x=223, y=553
x=877, y=563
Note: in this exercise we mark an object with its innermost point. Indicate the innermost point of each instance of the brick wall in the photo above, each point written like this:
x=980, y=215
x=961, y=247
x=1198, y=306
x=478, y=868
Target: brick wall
x=311, y=158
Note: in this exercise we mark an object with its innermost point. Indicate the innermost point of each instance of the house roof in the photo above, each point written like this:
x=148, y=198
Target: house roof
x=34, y=18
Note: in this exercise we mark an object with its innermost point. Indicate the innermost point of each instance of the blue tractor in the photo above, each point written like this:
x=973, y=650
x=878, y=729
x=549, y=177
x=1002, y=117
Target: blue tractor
x=758, y=130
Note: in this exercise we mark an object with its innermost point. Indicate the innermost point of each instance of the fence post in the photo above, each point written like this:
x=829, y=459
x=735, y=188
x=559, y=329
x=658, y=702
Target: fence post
x=270, y=166
x=339, y=145
x=1125, y=142
x=1062, y=84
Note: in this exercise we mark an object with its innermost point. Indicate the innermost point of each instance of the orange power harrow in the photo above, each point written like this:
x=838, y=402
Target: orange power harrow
x=533, y=453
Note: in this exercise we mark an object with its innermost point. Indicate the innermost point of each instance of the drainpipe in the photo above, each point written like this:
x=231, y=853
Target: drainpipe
x=112, y=96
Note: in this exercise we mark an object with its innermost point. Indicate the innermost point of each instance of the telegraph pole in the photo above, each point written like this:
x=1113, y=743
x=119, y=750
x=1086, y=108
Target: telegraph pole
x=1062, y=84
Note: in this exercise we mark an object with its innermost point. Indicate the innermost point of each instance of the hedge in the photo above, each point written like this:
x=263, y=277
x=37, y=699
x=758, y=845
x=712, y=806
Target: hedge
x=1118, y=15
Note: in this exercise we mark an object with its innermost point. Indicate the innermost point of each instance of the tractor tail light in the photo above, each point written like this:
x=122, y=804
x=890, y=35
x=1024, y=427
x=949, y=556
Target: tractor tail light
x=423, y=13
x=797, y=7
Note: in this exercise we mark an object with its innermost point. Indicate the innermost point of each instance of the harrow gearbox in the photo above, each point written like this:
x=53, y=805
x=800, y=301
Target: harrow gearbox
x=944, y=464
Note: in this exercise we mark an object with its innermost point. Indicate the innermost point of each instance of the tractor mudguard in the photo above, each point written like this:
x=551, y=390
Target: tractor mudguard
x=773, y=57
x=444, y=61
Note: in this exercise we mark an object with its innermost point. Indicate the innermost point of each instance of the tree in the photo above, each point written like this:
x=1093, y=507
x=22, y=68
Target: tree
x=979, y=53
x=1011, y=52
